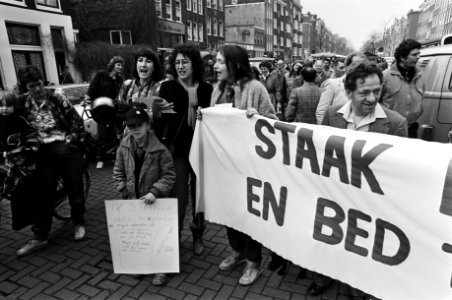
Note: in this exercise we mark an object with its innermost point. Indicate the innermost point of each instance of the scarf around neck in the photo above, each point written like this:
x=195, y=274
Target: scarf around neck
x=192, y=102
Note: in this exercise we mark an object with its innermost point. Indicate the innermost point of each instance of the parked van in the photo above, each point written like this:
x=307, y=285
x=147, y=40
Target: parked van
x=435, y=123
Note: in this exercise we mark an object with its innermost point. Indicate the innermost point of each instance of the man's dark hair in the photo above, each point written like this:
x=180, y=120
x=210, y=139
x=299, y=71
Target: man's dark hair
x=309, y=64
x=309, y=74
x=266, y=64
x=404, y=48
x=28, y=74
x=192, y=53
x=349, y=58
x=360, y=72
x=157, y=74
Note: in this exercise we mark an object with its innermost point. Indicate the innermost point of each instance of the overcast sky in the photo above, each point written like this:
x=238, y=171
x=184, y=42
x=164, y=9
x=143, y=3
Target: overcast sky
x=357, y=19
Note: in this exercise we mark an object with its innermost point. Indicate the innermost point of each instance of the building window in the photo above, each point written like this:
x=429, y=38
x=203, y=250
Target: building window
x=23, y=35
x=169, y=10
x=15, y=2
x=178, y=11
x=275, y=40
x=209, y=26
x=120, y=37
x=28, y=36
x=50, y=3
x=215, y=27
x=208, y=3
x=23, y=58
x=195, y=6
x=220, y=28
x=214, y=4
x=200, y=7
x=189, y=31
x=195, y=31
x=220, y=5
x=158, y=7
x=201, y=32
x=189, y=5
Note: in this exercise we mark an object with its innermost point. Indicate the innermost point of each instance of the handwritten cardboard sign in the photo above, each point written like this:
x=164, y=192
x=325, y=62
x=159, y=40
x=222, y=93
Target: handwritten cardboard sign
x=143, y=238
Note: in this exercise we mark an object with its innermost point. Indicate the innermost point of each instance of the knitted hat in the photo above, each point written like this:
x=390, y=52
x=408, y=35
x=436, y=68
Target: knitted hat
x=136, y=116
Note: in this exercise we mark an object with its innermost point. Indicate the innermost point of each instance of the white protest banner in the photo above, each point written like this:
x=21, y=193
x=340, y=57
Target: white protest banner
x=364, y=208
x=143, y=238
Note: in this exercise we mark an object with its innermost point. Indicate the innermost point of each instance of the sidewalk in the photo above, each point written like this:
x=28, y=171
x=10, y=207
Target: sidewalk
x=83, y=270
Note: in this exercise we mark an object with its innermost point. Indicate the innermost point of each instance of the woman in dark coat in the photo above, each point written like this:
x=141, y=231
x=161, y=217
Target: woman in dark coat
x=187, y=92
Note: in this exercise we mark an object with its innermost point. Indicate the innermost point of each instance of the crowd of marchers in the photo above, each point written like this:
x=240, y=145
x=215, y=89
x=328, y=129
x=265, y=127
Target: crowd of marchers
x=156, y=112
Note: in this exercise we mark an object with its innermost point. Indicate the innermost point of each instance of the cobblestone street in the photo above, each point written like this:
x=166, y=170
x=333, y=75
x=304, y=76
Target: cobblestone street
x=67, y=270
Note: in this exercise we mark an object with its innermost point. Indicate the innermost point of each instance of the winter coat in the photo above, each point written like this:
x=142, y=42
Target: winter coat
x=402, y=96
x=157, y=172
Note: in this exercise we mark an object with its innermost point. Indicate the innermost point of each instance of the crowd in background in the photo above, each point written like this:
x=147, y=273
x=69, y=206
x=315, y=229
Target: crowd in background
x=156, y=111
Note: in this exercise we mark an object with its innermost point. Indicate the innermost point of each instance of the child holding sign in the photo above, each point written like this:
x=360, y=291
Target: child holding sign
x=143, y=168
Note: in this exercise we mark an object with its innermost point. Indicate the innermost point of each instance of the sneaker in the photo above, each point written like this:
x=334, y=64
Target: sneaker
x=231, y=261
x=159, y=279
x=198, y=246
x=31, y=246
x=79, y=232
x=99, y=165
x=250, y=275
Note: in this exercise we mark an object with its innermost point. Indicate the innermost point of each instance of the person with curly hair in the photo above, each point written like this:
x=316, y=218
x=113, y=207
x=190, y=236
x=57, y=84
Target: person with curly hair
x=186, y=93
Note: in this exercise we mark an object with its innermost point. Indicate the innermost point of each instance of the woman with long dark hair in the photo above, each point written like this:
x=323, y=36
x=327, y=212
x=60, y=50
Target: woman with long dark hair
x=238, y=87
x=186, y=92
x=147, y=74
x=294, y=78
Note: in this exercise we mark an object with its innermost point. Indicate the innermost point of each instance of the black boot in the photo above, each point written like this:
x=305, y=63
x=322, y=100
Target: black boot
x=278, y=262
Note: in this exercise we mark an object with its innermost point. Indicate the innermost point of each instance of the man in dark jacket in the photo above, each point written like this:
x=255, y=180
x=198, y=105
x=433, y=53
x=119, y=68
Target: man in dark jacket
x=106, y=83
x=281, y=87
x=303, y=100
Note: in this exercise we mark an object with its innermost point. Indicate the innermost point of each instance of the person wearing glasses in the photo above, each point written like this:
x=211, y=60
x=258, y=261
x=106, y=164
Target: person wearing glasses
x=238, y=87
x=186, y=92
x=143, y=168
